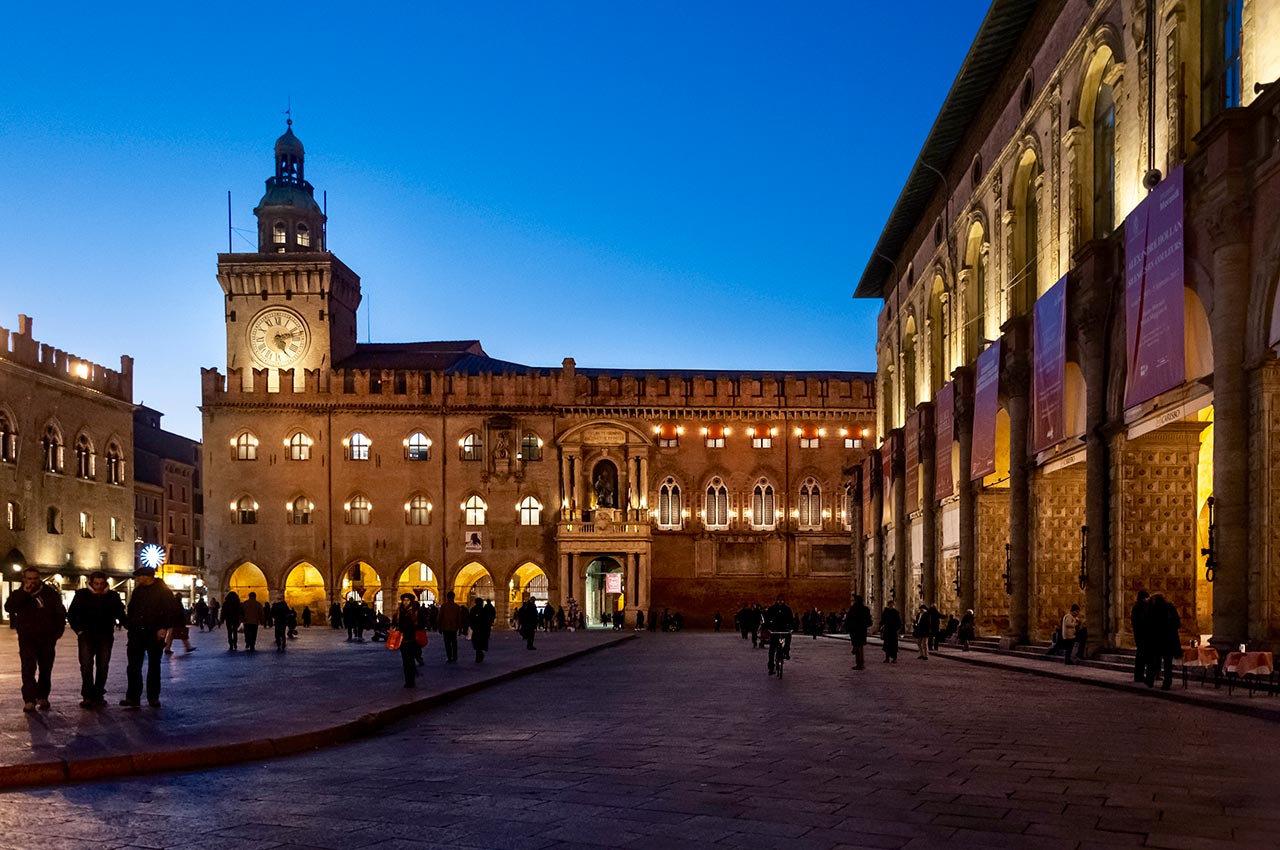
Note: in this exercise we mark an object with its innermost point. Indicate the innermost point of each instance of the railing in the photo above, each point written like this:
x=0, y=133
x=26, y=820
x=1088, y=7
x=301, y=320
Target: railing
x=629, y=529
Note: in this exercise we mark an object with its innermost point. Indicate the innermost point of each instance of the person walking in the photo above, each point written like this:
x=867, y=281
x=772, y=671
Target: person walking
x=527, y=617
x=1067, y=633
x=967, y=631
x=214, y=608
x=254, y=617
x=280, y=617
x=151, y=615
x=481, y=627
x=920, y=631
x=1166, y=641
x=935, y=627
x=202, y=614
x=36, y=612
x=181, y=630
x=1140, y=620
x=451, y=620
x=232, y=617
x=408, y=620
x=95, y=610
x=335, y=616
x=890, y=626
x=856, y=624
x=306, y=616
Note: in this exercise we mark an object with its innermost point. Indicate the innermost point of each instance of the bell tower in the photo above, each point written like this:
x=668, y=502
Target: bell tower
x=292, y=304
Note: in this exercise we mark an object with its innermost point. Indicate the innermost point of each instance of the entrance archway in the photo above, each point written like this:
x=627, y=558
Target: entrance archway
x=249, y=578
x=604, y=594
x=529, y=581
x=473, y=582
x=420, y=580
x=304, y=588
x=361, y=581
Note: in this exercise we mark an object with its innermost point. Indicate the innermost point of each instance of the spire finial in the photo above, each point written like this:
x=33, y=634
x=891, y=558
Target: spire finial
x=289, y=111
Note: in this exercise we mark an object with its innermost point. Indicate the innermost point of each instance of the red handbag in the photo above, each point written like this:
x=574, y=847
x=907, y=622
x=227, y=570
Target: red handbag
x=421, y=637
x=394, y=638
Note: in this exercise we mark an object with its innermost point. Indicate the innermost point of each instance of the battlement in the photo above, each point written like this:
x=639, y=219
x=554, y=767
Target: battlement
x=22, y=348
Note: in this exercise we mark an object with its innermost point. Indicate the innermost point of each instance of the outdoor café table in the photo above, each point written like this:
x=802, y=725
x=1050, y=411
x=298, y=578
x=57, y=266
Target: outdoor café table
x=1252, y=664
x=1203, y=657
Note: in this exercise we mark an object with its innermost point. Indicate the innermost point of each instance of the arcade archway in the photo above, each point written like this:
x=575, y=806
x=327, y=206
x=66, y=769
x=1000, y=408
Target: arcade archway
x=420, y=580
x=361, y=581
x=604, y=590
x=304, y=588
x=249, y=578
x=473, y=582
x=529, y=581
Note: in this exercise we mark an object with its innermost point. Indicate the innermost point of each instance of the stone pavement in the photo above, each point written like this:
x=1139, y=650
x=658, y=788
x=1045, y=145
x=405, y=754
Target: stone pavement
x=219, y=707
x=674, y=742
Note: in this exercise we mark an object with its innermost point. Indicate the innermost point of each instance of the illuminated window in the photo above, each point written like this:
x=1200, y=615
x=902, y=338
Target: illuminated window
x=810, y=505
x=809, y=437
x=86, y=524
x=115, y=465
x=530, y=447
x=304, y=236
x=116, y=530
x=670, y=509
x=358, y=446
x=8, y=439
x=86, y=463
x=278, y=233
x=358, y=510
x=472, y=448
x=299, y=446
x=763, y=506
x=300, y=511
x=474, y=509
x=419, y=447
x=846, y=507
x=51, y=449
x=13, y=516
x=715, y=511
x=246, y=446
x=1221, y=35
x=530, y=511
x=419, y=511
x=668, y=436
x=762, y=438
x=245, y=511
x=1104, y=159
x=715, y=437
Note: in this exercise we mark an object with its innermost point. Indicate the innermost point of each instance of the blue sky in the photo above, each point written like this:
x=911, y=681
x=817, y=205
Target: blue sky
x=661, y=185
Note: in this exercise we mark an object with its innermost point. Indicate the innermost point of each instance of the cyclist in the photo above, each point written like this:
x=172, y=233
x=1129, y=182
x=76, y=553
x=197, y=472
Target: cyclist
x=778, y=619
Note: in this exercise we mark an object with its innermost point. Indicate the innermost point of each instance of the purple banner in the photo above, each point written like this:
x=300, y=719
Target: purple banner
x=912, y=454
x=1049, y=375
x=986, y=403
x=1153, y=280
x=944, y=418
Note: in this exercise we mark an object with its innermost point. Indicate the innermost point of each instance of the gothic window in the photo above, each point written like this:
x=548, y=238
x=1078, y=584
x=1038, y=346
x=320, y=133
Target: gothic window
x=531, y=447
x=763, y=514
x=670, y=509
x=8, y=439
x=715, y=436
x=358, y=510
x=115, y=465
x=472, y=447
x=51, y=449
x=810, y=505
x=358, y=446
x=86, y=524
x=474, y=510
x=1024, y=284
x=278, y=233
x=246, y=446
x=300, y=511
x=53, y=521
x=418, y=511
x=86, y=463
x=715, y=512
x=530, y=511
x=304, y=236
x=244, y=511
x=1221, y=36
x=1104, y=160
x=418, y=446
x=299, y=445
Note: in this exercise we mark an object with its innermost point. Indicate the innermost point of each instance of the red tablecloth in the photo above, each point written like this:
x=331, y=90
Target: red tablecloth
x=1250, y=663
x=1199, y=656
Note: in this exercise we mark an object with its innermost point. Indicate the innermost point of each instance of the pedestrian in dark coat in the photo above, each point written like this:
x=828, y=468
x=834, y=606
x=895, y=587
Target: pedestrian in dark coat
x=1140, y=620
x=856, y=624
x=151, y=615
x=202, y=614
x=481, y=627
x=968, y=629
x=935, y=626
x=335, y=616
x=233, y=616
x=527, y=617
x=280, y=615
x=451, y=619
x=254, y=617
x=351, y=618
x=306, y=616
x=36, y=612
x=409, y=619
x=214, y=608
x=920, y=631
x=890, y=626
x=95, y=610
x=1166, y=641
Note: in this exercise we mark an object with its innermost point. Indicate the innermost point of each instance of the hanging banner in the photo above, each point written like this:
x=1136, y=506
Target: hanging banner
x=613, y=582
x=1153, y=280
x=1049, y=373
x=912, y=450
x=944, y=419
x=986, y=402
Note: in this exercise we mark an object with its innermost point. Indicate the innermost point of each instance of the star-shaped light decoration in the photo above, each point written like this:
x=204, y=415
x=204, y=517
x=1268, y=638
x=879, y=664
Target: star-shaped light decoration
x=152, y=556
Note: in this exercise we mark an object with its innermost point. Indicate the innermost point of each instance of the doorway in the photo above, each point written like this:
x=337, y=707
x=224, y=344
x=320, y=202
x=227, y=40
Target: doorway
x=605, y=591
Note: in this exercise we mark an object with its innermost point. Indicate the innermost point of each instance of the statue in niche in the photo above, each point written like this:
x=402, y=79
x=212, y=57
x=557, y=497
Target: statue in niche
x=605, y=487
x=501, y=451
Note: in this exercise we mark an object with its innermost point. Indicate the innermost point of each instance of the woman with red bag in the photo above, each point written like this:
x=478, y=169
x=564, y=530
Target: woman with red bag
x=410, y=618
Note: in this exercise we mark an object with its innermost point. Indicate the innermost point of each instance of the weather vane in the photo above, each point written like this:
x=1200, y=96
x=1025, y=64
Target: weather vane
x=289, y=110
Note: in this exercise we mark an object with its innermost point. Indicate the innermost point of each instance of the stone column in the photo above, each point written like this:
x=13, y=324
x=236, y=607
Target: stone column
x=566, y=487
x=629, y=590
x=1093, y=306
x=577, y=486
x=928, y=506
x=859, y=549
x=901, y=525
x=563, y=578
x=876, y=483
x=644, y=571
x=963, y=425
x=642, y=487
x=1016, y=379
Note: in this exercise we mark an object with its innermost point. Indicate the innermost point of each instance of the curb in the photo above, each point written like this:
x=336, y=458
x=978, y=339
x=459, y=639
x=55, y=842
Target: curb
x=64, y=771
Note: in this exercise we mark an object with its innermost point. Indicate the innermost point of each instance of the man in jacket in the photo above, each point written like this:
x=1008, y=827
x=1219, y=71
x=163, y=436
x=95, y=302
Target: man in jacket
x=151, y=615
x=856, y=624
x=482, y=617
x=95, y=610
x=39, y=618
x=527, y=618
x=1140, y=620
x=452, y=618
x=254, y=616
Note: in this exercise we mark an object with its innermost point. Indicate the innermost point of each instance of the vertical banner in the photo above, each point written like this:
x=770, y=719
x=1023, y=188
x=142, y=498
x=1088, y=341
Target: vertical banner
x=912, y=454
x=1154, y=275
x=986, y=402
x=1049, y=373
x=944, y=419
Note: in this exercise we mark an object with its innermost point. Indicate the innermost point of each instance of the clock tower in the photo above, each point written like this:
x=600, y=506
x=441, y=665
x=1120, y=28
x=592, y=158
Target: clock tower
x=292, y=304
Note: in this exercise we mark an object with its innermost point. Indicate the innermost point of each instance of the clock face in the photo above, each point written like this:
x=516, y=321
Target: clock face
x=278, y=337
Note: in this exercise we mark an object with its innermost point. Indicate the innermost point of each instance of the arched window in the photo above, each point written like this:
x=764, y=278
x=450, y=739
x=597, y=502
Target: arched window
x=86, y=462
x=764, y=511
x=530, y=447
x=472, y=447
x=810, y=505
x=1104, y=159
x=418, y=511
x=909, y=364
x=13, y=516
x=714, y=435
x=53, y=521
x=300, y=510
x=51, y=448
x=115, y=465
x=670, y=509
x=246, y=446
x=8, y=439
x=299, y=445
x=358, y=446
x=975, y=294
x=1024, y=276
x=358, y=510
x=1221, y=39
x=846, y=507
x=304, y=236
x=939, y=336
x=473, y=510
x=530, y=511
x=417, y=446
x=244, y=511
x=715, y=512
x=278, y=233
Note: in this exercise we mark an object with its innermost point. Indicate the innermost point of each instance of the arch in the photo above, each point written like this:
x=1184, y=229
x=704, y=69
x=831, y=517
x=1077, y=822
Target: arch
x=530, y=447
x=51, y=445
x=576, y=433
x=357, y=445
x=909, y=388
x=360, y=580
x=86, y=459
x=471, y=446
x=304, y=588
x=358, y=509
x=809, y=505
x=474, y=509
x=976, y=300
x=529, y=581
x=8, y=435
x=417, y=446
x=763, y=513
x=1001, y=476
x=1197, y=338
x=279, y=233
x=115, y=462
x=530, y=510
x=939, y=335
x=244, y=445
x=299, y=445
x=299, y=509
x=244, y=510
x=417, y=511
x=1096, y=115
x=670, y=513
x=715, y=506
x=303, y=236
x=1024, y=270
x=598, y=599
x=473, y=581
x=247, y=577
x=420, y=580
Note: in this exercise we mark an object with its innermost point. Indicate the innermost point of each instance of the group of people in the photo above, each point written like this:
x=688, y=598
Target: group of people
x=154, y=618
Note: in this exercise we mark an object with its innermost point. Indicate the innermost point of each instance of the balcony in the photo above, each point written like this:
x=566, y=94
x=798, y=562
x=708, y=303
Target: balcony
x=604, y=524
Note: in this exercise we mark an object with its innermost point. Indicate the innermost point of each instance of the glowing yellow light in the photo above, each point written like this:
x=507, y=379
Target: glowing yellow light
x=656, y=429
x=751, y=432
x=288, y=506
x=822, y=432
x=685, y=513
x=462, y=442
x=844, y=432
x=346, y=506
x=233, y=442
x=286, y=442
x=826, y=514
x=777, y=514
x=747, y=513
x=233, y=506
x=704, y=430
x=679, y=429
x=82, y=370
x=866, y=432
x=795, y=513
x=798, y=432
x=311, y=506
x=773, y=432
x=539, y=442
x=405, y=441
x=728, y=431
x=345, y=441
x=406, y=507
x=733, y=514
x=255, y=506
